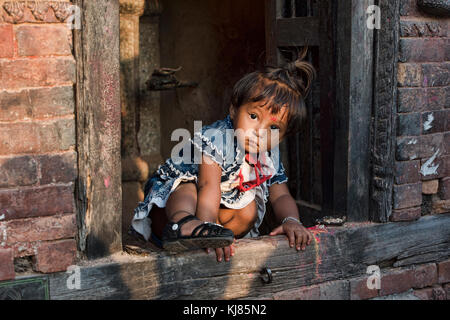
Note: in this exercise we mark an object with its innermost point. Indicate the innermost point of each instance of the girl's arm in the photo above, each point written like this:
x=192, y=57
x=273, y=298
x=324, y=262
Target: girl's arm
x=282, y=202
x=284, y=206
x=208, y=194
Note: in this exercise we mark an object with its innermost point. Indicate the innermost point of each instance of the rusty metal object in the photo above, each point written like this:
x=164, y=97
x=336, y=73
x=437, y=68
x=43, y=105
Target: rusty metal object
x=164, y=79
x=266, y=275
x=435, y=7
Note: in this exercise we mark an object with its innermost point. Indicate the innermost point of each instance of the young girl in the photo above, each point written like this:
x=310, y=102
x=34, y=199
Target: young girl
x=191, y=205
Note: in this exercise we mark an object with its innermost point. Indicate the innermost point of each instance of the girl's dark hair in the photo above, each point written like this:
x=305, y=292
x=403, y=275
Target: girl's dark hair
x=287, y=86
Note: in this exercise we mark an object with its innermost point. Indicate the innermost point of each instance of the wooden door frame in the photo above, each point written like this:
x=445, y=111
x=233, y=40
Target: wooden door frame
x=364, y=103
x=98, y=190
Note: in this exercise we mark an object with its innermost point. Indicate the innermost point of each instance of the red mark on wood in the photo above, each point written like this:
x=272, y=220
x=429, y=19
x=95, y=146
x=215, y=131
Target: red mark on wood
x=107, y=180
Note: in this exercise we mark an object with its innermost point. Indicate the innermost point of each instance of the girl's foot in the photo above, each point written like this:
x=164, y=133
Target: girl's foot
x=202, y=235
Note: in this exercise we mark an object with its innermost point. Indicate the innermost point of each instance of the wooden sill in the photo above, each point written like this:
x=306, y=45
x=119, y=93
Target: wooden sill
x=336, y=253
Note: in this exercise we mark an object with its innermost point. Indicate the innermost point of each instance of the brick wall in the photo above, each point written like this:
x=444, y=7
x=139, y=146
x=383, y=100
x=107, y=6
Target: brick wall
x=38, y=161
x=422, y=178
x=421, y=282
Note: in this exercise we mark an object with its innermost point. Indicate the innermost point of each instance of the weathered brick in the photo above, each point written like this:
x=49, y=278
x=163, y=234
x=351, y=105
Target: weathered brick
x=18, y=171
x=419, y=28
x=438, y=293
x=421, y=99
x=446, y=143
x=407, y=195
x=407, y=172
x=23, y=73
x=424, y=294
x=396, y=282
x=58, y=168
x=408, y=214
x=409, y=75
x=57, y=135
x=432, y=170
x=435, y=121
x=302, y=293
x=408, y=148
x=55, y=256
x=360, y=291
x=425, y=275
x=440, y=206
x=423, y=49
x=444, y=188
x=42, y=40
x=409, y=8
x=6, y=264
x=436, y=74
x=444, y=271
x=38, y=103
x=335, y=290
x=39, y=229
x=409, y=124
x=36, y=201
x=6, y=41
x=446, y=288
x=419, y=147
x=430, y=186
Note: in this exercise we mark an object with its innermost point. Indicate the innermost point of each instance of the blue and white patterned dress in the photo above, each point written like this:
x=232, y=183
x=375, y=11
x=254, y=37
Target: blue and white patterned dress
x=216, y=141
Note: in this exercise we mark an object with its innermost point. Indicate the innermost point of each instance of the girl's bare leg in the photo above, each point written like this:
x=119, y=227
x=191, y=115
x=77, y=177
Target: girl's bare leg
x=181, y=203
x=240, y=221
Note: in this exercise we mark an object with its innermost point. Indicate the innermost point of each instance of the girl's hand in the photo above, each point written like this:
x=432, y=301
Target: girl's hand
x=295, y=233
x=223, y=253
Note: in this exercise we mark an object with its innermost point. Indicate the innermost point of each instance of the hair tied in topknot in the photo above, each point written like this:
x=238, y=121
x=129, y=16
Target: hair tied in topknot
x=303, y=71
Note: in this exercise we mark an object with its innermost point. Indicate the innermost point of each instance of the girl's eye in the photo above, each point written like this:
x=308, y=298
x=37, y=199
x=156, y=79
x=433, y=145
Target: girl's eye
x=253, y=116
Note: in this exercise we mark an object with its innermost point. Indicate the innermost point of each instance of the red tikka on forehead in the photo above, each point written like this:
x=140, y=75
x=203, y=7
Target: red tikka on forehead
x=273, y=119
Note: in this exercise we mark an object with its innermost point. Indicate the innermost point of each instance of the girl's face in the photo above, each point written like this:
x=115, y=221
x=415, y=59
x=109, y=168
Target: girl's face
x=259, y=130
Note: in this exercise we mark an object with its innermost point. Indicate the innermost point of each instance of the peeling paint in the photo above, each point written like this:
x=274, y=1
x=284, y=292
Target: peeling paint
x=427, y=124
x=2, y=216
x=427, y=168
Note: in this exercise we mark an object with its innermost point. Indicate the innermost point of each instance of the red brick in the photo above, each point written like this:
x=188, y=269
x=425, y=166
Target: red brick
x=422, y=50
x=23, y=73
x=58, y=168
x=407, y=172
x=424, y=294
x=408, y=214
x=425, y=275
x=396, y=282
x=407, y=195
x=438, y=162
x=18, y=171
x=444, y=271
x=446, y=288
x=438, y=293
x=435, y=74
x=38, y=103
x=446, y=142
x=36, y=201
x=55, y=256
x=409, y=75
x=444, y=188
x=430, y=186
x=42, y=40
x=37, y=137
x=419, y=28
x=303, y=293
x=440, y=206
x=6, y=264
x=6, y=41
x=437, y=120
x=409, y=8
x=360, y=291
x=41, y=228
x=422, y=99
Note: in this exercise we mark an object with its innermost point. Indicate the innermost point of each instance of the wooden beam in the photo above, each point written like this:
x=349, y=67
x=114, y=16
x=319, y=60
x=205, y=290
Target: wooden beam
x=352, y=115
x=297, y=32
x=337, y=253
x=383, y=139
x=98, y=188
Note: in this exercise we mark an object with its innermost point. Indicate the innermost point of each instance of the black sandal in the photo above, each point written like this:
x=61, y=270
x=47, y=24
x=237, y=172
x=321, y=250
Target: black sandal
x=206, y=235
